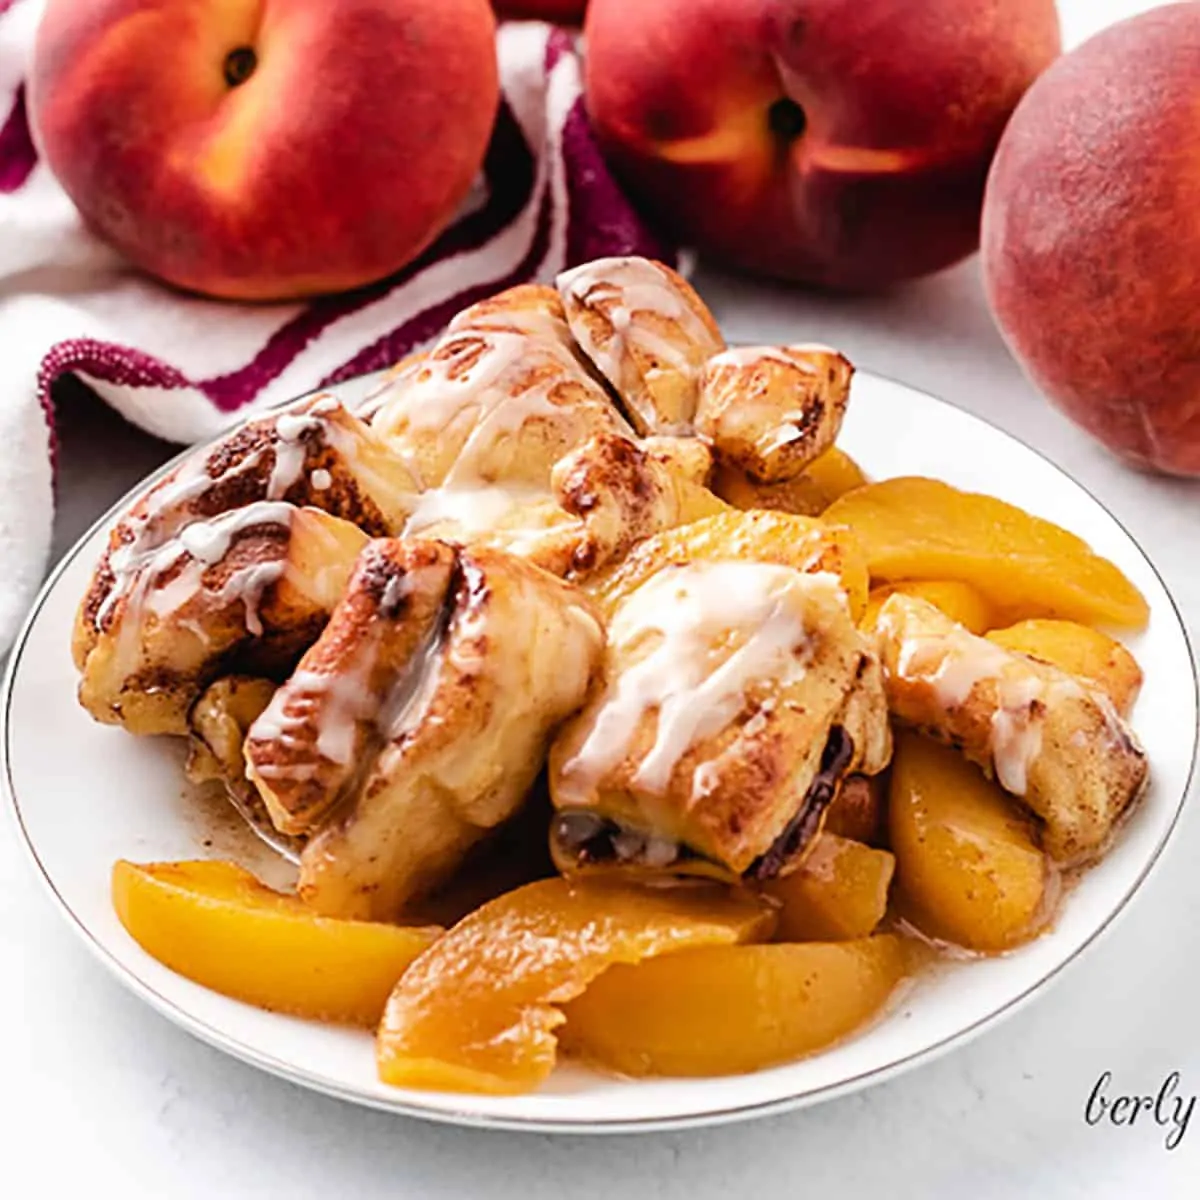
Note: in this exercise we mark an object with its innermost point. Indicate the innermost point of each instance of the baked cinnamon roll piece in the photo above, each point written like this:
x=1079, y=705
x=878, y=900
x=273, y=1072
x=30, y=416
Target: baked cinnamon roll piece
x=498, y=401
x=249, y=589
x=307, y=747
x=218, y=723
x=420, y=719
x=769, y=411
x=1058, y=746
x=395, y=377
x=736, y=698
x=621, y=492
x=648, y=334
x=522, y=450
x=312, y=453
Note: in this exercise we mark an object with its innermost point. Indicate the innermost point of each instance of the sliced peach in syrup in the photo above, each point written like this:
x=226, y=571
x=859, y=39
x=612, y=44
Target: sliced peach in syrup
x=915, y=528
x=968, y=866
x=729, y=1009
x=1095, y=659
x=959, y=601
x=477, y=1011
x=838, y=893
x=217, y=924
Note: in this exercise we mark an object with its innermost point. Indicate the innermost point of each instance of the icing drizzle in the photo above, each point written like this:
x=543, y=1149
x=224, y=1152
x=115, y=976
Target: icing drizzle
x=713, y=630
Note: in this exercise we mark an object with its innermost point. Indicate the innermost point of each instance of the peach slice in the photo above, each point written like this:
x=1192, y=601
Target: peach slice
x=857, y=811
x=914, y=528
x=217, y=924
x=476, y=1012
x=728, y=1009
x=959, y=601
x=772, y=537
x=968, y=866
x=839, y=892
x=826, y=478
x=1095, y=659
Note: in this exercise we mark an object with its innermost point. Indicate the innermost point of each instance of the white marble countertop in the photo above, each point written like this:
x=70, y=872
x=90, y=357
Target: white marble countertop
x=99, y=1093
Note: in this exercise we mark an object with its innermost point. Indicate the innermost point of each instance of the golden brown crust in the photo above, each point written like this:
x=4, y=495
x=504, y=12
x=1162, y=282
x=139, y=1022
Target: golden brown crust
x=313, y=453
x=647, y=332
x=772, y=410
x=309, y=745
x=250, y=595
x=1058, y=746
x=622, y=492
x=729, y=792
x=218, y=722
x=500, y=398
x=517, y=655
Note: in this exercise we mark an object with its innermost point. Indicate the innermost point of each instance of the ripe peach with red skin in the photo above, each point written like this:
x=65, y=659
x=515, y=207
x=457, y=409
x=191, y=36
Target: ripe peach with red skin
x=839, y=142
x=1091, y=238
x=262, y=149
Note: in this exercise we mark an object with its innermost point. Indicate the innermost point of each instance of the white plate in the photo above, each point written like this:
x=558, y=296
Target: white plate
x=85, y=794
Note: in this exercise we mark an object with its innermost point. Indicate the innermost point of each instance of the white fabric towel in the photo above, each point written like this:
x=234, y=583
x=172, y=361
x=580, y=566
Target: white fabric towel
x=184, y=367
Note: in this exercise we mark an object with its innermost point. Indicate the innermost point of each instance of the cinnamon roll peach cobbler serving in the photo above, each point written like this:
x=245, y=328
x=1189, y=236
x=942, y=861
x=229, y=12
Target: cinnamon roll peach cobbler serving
x=602, y=703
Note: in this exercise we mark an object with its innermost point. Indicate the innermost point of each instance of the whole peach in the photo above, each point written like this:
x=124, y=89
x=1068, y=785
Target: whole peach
x=1091, y=237
x=839, y=142
x=263, y=149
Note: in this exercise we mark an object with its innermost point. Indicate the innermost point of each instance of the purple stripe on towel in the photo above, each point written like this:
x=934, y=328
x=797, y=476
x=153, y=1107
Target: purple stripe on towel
x=18, y=156
x=101, y=360
x=601, y=220
x=509, y=170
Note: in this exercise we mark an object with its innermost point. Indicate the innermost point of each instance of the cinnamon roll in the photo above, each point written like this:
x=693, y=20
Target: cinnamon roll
x=1047, y=739
x=648, y=334
x=769, y=411
x=420, y=719
x=736, y=697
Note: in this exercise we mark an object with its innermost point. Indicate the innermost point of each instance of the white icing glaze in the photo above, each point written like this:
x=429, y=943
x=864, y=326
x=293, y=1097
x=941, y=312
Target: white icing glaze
x=204, y=544
x=952, y=663
x=625, y=287
x=689, y=677
x=290, y=453
x=470, y=509
x=320, y=480
x=292, y=426
x=955, y=662
x=395, y=590
x=344, y=706
x=483, y=401
x=1016, y=739
x=749, y=356
x=156, y=541
x=129, y=561
x=249, y=585
x=334, y=702
x=291, y=431
x=787, y=431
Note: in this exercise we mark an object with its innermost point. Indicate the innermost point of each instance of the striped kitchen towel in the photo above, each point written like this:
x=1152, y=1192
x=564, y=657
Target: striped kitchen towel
x=183, y=367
